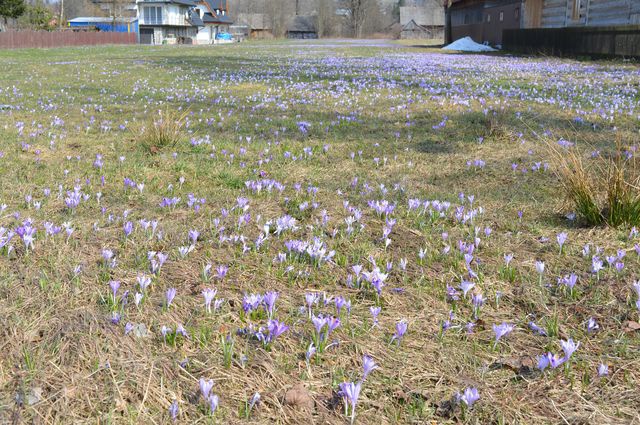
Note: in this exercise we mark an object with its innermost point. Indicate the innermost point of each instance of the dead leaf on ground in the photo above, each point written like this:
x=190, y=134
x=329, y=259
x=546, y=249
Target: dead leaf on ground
x=630, y=326
x=299, y=397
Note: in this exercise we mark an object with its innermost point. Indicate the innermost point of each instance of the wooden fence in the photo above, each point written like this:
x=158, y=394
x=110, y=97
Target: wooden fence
x=26, y=39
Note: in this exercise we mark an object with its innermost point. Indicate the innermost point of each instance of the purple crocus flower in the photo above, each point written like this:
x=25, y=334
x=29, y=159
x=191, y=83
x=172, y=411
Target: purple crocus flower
x=209, y=294
x=507, y=259
x=143, y=281
x=466, y=286
x=332, y=324
x=501, y=330
x=603, y=370
x=477, y=300
x=562, y=238
x=375, y=311
x=310, y=351
x=173, y=410
x=311, y=298
x=592, y=325
x=569, y=347
x=350, y=393
x=205, y=387
x=213, y=400
x=269, y=300
x=276, y=329
x=128, y=228
x=171, y=294
x=401, y=330
x=254, y=400
x=221, y=271
x=537, y=329
x=570, y=281
x=469, y=396
x=368, y=366
x=596, y=264
x=318, y=323
x=339, y=302
x=114, y=285
x=550, y=360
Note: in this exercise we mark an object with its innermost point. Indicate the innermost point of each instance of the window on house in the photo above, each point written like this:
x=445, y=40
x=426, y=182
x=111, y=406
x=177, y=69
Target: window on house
x=501, y=16
x=575, y=10
x=516, y=13
x=466, y=19
x=488, y=17
x=152, y=15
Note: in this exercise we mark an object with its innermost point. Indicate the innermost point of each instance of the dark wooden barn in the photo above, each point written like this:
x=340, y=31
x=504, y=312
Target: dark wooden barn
x=302, y=27
x=482, y=20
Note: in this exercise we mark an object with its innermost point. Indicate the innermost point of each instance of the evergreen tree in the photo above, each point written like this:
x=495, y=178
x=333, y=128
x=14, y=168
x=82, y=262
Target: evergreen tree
x=11, y=8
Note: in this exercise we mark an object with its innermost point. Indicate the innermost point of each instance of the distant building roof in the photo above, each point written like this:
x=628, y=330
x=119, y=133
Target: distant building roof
x=181, y=2
x=302, y=23
x=208, y=18
x=100, y=19
x=194, y=18
x=412, y=26
x=216, y=4
x=431, y=14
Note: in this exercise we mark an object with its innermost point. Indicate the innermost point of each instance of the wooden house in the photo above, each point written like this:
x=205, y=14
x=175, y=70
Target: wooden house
x=422, y=19
x=260, y=24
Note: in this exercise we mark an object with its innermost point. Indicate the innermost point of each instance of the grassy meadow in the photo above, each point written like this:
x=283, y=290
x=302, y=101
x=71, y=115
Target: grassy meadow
x=312, y=232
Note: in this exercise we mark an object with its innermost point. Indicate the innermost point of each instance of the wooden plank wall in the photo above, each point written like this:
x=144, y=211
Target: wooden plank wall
x=559, y=13
x=554, y=13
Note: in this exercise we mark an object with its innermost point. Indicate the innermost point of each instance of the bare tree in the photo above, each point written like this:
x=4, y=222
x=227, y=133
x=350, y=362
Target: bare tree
x=325, y=17
x=281, y=12
x=73, y=8
x=358, y=12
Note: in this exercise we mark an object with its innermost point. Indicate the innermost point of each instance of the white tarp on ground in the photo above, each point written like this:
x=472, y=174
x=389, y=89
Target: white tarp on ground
x=466, y=44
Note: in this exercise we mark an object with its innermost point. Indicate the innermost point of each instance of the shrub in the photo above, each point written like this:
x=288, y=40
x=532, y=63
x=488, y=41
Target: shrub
x=164, y=130
x=604, y=190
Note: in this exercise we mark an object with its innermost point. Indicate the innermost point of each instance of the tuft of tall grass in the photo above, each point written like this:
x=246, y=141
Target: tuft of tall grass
x=164, y=130
x=604, y=190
